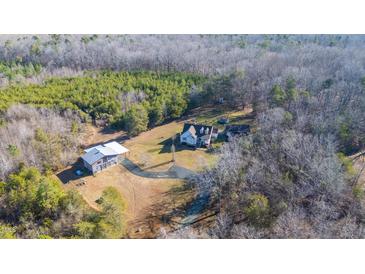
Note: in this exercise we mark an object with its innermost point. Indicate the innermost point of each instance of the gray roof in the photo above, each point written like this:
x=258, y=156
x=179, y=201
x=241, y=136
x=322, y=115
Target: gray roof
x=238, y=129
x=92, y=156
x=198, y=130
x=96, y=153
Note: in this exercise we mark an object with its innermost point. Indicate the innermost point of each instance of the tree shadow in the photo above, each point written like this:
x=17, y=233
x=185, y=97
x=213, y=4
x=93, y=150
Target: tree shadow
x=68, y=174
x=167, y=143
x=242, y=118
x=178, y=207
x=157, y=165
x=108, y=130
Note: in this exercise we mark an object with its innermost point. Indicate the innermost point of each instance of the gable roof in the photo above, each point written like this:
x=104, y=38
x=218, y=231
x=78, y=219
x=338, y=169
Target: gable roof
x=192, y=130
x=116, y=147
x=197, y=130
x=92, y=156
x=96, y=153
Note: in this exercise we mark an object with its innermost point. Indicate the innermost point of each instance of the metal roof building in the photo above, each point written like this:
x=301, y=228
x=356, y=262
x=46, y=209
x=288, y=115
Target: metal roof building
x=96, y=153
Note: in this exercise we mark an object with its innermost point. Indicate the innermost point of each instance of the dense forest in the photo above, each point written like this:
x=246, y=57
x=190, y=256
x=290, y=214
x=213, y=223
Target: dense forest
x=32, y=58
x=292, y=178
x=35, y=206
x=110, y=97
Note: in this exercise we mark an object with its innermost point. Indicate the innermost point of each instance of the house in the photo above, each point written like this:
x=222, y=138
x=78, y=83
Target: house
x=102, y=156
x=197, y=135
x=236, y=130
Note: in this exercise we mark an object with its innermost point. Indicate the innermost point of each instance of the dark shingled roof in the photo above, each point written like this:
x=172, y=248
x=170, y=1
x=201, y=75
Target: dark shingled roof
x=198, y=129
x=237, y=129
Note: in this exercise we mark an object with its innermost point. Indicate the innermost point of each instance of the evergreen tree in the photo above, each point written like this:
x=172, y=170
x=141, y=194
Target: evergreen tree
x=136, y=120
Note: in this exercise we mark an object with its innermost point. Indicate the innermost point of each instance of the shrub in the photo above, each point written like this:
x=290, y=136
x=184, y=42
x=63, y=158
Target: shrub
x=7, y=232
x=258, y=211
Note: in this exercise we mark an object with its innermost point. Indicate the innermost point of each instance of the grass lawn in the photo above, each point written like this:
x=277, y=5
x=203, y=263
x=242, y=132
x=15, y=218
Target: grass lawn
x=211, y=116
x=151, y=150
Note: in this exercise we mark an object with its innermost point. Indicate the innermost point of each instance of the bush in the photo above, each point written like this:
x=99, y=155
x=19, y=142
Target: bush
x=7, y=232
x=258, y=211
x=278, y=95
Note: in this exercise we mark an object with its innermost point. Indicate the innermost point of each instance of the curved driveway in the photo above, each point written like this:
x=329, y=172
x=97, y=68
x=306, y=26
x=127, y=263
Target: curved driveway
x=175, y=172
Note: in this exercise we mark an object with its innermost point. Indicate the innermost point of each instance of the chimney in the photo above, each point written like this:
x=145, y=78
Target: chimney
x=202, y=130
x=207, y=131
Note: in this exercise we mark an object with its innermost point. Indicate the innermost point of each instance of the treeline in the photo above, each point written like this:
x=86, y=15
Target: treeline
x=35, y=206
x=202, y=54
x=15, y=69
x=39, y=137
x=134, y=101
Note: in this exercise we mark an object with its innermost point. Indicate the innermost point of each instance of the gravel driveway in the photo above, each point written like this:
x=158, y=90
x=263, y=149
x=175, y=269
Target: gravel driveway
x=175, y=172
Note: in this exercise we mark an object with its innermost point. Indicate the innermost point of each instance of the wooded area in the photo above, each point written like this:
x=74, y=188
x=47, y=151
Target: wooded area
x=291, y=178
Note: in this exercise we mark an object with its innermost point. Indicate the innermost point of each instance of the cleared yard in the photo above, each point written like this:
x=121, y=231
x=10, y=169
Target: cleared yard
x=150, y=202
x=152, y=149
x=211, y=116
x=139, y=193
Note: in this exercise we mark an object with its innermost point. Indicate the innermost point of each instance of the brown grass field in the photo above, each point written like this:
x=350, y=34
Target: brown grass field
x=139, y=193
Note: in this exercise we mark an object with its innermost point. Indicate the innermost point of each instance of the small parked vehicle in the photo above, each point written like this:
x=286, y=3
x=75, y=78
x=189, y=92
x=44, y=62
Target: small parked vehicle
x=223, y=120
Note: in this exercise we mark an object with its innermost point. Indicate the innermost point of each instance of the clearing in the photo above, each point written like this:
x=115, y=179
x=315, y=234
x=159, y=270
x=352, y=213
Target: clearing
x=139, y=193
x=151, y=150
x=151, y=202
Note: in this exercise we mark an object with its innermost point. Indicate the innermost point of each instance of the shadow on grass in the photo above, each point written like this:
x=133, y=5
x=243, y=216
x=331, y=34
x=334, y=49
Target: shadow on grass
x=166, y=145
x=69, y=174
x=157, y=165
x=178, y=207
x=121, y=138
x=174, y=172
x=242, y=118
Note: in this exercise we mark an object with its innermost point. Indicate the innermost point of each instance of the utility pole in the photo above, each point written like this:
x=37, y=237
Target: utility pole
x=173, y=148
